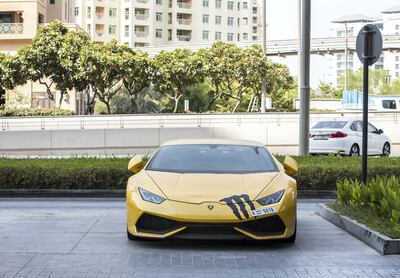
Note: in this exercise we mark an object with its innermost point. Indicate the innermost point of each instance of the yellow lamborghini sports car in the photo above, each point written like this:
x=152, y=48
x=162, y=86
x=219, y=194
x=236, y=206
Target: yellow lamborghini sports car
x=212, y=189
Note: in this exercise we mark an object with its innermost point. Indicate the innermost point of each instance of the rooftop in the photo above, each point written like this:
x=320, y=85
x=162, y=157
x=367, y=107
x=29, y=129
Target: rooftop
x=355, y=18
x=393, y=10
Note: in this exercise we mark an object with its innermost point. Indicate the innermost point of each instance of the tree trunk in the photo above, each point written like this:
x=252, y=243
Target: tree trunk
x=250, y=103
x=176, y=104
x=61, y=99
x=107, y=103
x=237, y=105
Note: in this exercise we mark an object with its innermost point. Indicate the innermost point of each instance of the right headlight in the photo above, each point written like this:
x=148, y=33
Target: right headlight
x=150, y=197
x=271, y=199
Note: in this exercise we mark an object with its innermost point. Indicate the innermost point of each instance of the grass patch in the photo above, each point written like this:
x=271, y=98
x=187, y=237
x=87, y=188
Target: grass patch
x=367, y=217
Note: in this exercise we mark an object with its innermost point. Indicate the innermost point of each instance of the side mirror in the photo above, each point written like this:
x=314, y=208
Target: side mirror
x=291, y=166
x=380, y=131
x=135, y=164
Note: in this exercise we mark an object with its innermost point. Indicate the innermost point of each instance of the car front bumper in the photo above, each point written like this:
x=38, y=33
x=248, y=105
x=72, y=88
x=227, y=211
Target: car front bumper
x=211, y=220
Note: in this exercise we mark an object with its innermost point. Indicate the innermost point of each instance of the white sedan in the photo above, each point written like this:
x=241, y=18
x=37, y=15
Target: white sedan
x=345, y=137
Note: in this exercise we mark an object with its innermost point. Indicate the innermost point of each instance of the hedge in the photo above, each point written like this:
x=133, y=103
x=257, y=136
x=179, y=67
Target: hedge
x=320, y=173
x=32, y=112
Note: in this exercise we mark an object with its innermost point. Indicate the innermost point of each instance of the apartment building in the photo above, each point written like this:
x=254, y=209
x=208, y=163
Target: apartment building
x=389, y=61
x=19, y=23
x=181, y=22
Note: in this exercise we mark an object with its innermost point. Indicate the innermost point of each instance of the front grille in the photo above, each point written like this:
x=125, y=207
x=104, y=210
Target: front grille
x=272, y=225
x=156, y=225
x=267, y=226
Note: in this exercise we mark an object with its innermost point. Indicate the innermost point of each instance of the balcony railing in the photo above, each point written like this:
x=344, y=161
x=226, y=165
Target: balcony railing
x=11, y=28
x=183, y=5
x=142, y=16
x=184, y=21
x=142, y=1
x=185, y=38
x=141, y=34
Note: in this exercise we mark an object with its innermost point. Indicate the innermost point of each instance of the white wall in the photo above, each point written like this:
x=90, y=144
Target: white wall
x=277, y=131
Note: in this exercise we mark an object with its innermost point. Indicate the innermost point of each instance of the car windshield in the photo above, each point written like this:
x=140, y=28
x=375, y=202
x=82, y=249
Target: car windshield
x=227, y=159
x=330, y=124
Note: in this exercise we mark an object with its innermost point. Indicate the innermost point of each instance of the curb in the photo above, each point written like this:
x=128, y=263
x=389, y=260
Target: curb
x=59, y=193
x=381, y=243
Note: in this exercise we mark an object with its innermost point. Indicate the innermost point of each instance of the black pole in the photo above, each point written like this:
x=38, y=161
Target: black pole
x=367, y=57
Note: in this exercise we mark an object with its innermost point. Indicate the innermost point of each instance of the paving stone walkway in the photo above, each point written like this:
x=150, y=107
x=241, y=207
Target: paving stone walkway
x=86, y=238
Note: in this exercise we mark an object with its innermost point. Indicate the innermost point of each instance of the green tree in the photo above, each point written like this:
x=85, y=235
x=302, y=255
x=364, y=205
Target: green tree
x=102, y=67
x=326, y=89
x=378, y=79
x=144, y=101
x=174, y=71
x=42, y=61
x=11, y=74
x=221, y=64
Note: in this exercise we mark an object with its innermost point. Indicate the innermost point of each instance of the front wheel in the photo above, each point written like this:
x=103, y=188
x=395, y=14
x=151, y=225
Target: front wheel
x=386, y=149
x=355, y=150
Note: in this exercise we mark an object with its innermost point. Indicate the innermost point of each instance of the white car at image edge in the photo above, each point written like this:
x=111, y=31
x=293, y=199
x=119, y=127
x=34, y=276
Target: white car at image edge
x=344, y=136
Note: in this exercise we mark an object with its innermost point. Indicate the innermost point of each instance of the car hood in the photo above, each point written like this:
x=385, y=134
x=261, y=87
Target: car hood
x=200, y=188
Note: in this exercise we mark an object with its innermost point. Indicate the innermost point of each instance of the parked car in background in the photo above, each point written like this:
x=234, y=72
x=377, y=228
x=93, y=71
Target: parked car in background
x=344, y=136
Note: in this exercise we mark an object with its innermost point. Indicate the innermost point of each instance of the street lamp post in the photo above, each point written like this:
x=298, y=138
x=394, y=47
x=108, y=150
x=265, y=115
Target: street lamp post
x=264, y=46
x=346, y=52
x=305, y=77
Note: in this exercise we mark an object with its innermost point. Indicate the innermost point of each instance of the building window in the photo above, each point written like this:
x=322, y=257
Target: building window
x=205, y=18
x=52, y=2
x=255, y=38
x=218, y=19
x=230, y=21
x=76, y=11
x=170, y=35
x=112, y=12
x=159, y=33
x=205, y=35
x=159, y=2
x=158, y=16
x=218, y=4
x=112, y=29
x=89, y=29
x=255, y=10
x=218, y=36
x=205, y=3
x=230, y=5
x=396, y=58
x=230, y=37
x=126, y=30
x=245, y=36
x=397, y=27
x=254, y=29
x=245, y=5
x=89, y=12
x=245, y=21
x=126, y=13
x=169, y=18
x=255, y=20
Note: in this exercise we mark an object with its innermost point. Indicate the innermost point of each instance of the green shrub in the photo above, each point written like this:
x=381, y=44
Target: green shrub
x=380, y=196
x=32, y=112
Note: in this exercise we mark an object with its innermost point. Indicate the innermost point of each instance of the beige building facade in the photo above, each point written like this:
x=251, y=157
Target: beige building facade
x=137, y=23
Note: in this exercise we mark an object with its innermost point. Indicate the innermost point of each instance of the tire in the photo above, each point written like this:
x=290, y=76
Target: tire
x=354, y=150
x=386, y=149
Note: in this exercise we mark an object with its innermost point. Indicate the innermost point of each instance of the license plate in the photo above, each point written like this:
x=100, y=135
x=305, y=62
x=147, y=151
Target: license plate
x=262, y=211
x=321, y=137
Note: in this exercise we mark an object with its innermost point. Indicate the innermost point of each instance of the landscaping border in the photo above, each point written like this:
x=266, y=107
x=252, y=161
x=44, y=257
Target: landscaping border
x=381, y=243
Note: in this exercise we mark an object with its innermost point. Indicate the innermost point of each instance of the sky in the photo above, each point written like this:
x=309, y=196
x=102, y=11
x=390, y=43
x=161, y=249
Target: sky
x=282, y=24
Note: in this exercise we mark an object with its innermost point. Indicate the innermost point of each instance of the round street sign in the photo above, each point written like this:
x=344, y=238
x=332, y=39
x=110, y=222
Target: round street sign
x=369, y=44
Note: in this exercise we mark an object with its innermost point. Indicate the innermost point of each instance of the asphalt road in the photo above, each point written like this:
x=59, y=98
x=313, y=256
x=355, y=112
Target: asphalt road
x=86, y=238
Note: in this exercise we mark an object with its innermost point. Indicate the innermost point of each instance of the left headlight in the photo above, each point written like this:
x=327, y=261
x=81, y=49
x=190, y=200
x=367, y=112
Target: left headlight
x=271, y=199
x=150, y=197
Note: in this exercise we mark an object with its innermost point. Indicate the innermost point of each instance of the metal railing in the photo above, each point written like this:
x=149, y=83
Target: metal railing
x=177, y=120
x=184, y=21
x=185, y=38
x=141, y=34
x=141, y=16
x=11, y=28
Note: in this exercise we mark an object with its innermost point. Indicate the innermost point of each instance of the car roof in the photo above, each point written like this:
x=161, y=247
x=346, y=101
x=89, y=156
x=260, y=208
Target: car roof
x=212, y=142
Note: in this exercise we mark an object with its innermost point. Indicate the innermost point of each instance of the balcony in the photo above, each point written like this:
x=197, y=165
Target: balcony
x=140, y=16
x=142, y=1
x=11, y=28
x=185, y=5
x=185, y=38
x=184, y=21
x=141, y=34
